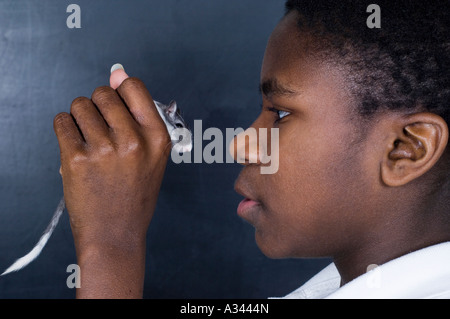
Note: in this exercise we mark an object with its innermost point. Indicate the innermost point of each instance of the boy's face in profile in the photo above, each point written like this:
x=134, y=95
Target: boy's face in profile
x=317, y=203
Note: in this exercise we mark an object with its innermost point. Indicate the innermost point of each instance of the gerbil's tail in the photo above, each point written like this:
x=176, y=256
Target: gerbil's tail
x=34, y=253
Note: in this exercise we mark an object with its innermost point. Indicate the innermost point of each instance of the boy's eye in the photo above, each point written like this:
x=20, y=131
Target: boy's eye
x=281, y=114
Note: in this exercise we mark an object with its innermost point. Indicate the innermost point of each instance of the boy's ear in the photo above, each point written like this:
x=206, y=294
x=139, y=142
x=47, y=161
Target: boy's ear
x=418, y=143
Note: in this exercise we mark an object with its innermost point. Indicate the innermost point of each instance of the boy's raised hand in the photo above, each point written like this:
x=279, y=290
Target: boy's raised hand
x=114, y=149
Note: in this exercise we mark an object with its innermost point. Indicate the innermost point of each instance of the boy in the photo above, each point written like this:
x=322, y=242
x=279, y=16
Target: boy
x=363, y=159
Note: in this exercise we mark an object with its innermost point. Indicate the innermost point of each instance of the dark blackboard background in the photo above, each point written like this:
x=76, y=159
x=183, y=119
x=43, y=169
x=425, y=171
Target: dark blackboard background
x=205, y=54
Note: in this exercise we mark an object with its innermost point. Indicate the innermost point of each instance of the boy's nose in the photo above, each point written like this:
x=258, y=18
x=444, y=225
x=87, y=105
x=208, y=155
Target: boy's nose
x=244, y=147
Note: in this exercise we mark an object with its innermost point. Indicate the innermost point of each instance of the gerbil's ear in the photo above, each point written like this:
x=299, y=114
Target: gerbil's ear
x=172, y=109
x=416, y=146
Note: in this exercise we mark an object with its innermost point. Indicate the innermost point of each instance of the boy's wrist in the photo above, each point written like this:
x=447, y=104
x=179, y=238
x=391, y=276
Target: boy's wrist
x=108, y=271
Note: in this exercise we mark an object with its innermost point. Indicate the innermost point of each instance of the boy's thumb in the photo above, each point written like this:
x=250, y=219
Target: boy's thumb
x=118, y=75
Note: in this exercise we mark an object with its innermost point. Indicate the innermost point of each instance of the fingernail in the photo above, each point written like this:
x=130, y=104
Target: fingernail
x=117, y=66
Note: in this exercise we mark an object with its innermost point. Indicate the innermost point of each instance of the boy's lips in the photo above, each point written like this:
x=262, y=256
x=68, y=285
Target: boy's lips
x=245, y=208
x=248, y=206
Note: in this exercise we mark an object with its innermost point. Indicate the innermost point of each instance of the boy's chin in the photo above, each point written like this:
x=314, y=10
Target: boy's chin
x=270, y=248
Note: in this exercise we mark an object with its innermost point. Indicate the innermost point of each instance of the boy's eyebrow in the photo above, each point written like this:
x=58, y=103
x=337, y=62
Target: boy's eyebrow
x=272, y=87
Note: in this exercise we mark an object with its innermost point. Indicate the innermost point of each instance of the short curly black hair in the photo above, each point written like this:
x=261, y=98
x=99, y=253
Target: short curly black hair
x=404, y=65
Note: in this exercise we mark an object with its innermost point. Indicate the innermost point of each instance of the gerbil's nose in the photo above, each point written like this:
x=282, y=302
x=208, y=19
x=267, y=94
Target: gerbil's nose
x=244, y=147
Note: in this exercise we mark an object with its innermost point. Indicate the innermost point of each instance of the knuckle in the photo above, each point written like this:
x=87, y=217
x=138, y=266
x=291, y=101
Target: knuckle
x=135, y=146
x=102, y=93
x=132, y=83
x=78, y=104
x=161, y=141
x=106, y=148
x=76, y=161
x=61, y=118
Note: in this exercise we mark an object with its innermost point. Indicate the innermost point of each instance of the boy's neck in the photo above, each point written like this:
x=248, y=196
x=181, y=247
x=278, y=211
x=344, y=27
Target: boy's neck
x=394, y=240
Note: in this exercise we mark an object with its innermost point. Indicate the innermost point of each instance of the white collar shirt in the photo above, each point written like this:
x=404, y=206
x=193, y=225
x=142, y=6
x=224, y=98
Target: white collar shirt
x=422, y=274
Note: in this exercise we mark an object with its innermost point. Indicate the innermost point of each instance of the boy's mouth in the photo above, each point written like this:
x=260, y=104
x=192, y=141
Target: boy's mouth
x=248, y=206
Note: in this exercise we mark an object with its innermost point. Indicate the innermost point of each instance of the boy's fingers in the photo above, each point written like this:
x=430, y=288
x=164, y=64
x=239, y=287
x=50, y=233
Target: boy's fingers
x=69, y=137
x=113, y=110
x=140, y=103
x=136, y=96
x=89, y=120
